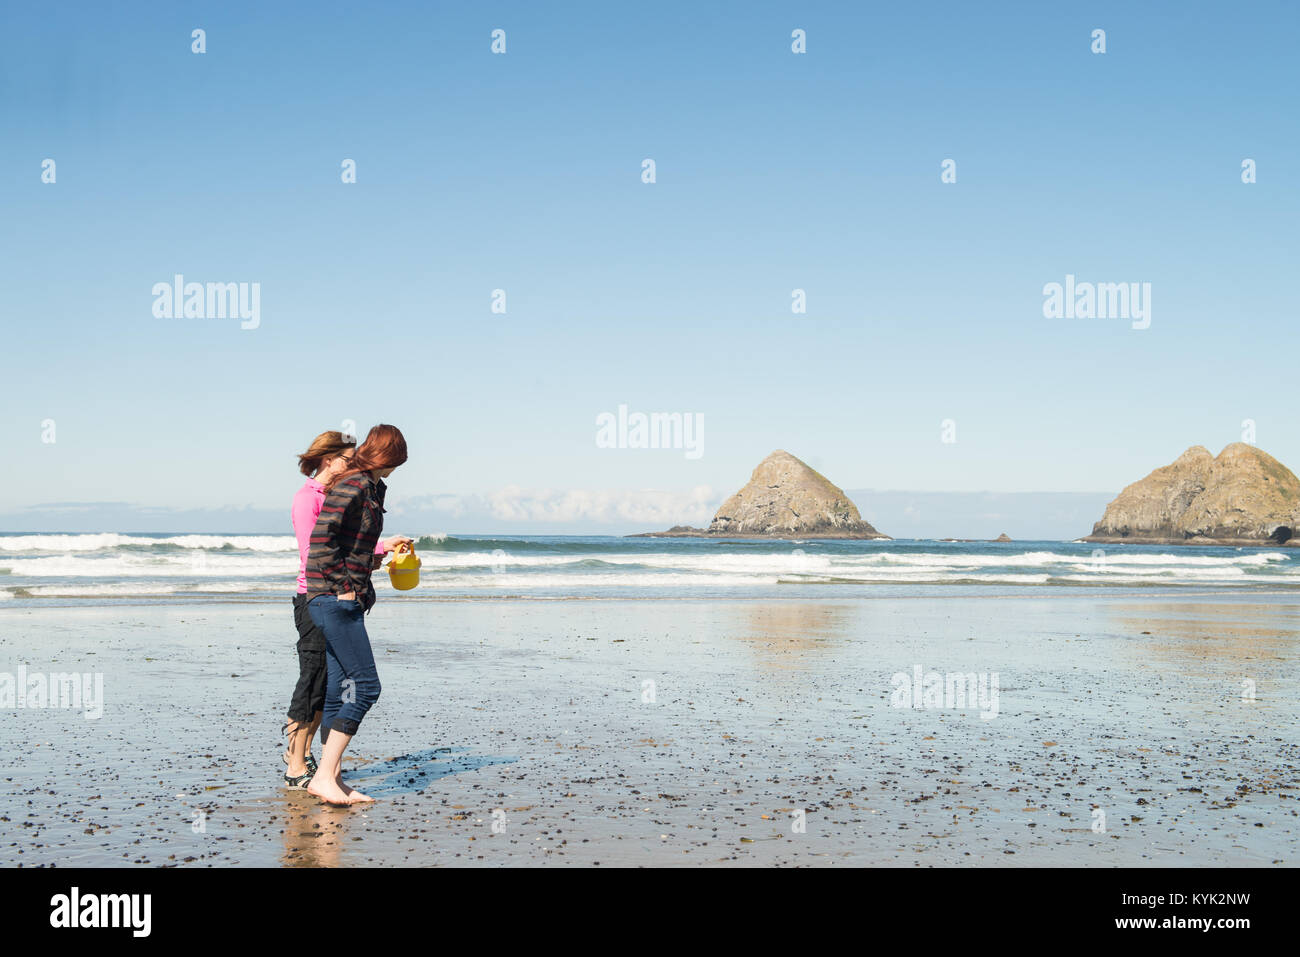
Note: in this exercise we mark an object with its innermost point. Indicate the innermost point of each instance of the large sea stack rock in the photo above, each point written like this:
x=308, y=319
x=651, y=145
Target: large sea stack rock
x=1242, y=497
x=785, y=498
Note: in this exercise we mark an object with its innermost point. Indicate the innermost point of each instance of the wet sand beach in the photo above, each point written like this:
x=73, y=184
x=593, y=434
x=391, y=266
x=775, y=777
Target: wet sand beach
x=523, y=732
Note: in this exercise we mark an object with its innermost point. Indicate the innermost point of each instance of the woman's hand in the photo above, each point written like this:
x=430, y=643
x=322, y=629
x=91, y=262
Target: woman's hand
x=390, y=544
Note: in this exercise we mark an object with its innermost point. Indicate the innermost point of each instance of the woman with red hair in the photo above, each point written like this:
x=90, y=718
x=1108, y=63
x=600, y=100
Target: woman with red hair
x=328, y=456
x=339, y=593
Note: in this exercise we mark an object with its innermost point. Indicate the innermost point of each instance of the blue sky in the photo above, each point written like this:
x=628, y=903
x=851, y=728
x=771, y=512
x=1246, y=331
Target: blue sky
x=522, y=172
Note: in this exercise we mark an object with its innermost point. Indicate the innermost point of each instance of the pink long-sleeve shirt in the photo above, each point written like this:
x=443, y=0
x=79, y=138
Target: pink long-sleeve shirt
x=306, y=509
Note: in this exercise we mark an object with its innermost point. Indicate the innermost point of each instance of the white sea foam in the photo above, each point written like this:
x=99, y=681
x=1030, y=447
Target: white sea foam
x=780, y=561
x=151, y=566
x=147, y=589
x=104, y=540
x=579, y=580
x=917, y=576
x=1115, y=556
x=111, y=564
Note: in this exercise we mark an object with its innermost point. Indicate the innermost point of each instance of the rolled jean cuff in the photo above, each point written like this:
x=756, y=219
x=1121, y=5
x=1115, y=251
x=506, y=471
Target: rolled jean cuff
x=345, y=725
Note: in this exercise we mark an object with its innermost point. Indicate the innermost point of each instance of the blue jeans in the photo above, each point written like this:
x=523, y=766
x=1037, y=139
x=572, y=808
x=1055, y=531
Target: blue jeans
x=352, y=682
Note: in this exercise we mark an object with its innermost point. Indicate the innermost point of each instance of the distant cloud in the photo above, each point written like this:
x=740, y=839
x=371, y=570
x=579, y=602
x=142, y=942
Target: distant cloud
x=512, y=509
x=516, y=504
x=454, y=505
x=77, y=506
x=515, y=510
x=83, y=517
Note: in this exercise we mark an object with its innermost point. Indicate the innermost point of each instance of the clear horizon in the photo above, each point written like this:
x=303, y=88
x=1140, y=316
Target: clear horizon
x=902, y=515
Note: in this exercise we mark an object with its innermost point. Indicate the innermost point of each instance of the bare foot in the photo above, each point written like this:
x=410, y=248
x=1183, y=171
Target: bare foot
x=354, y=796
x=328, y=791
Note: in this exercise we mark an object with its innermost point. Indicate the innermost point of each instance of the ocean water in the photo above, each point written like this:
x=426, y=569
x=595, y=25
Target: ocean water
x=41, y=569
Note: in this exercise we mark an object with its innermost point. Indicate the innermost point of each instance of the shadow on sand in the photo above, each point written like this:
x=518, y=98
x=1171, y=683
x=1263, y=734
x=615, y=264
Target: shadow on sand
x=412, y=773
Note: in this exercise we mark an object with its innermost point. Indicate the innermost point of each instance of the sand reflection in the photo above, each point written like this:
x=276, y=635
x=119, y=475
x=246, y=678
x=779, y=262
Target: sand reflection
x=791, y=637
x=313, y=832
x=1214, y=633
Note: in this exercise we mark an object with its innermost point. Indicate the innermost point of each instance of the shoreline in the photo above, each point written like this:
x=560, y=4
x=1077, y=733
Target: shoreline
x=873, y=592
x=1192, y=542
x=39, y=573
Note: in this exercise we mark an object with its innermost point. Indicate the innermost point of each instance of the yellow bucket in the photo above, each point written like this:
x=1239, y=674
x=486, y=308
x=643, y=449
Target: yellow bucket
x=404, y=568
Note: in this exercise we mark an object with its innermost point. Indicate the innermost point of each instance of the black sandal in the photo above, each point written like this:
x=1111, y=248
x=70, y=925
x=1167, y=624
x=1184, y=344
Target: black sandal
x=299, y=783
x=309, y=761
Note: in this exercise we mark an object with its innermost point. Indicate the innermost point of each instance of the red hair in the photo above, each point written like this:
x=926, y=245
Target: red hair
x=384, y=448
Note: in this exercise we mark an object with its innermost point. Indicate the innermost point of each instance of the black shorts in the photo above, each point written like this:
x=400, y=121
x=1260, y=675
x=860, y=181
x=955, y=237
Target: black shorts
x=309, y=693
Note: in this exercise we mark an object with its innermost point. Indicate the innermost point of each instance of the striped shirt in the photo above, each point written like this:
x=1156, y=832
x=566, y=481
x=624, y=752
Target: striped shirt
x=342, y=546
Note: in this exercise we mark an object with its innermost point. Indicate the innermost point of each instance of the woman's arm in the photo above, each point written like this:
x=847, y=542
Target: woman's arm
x=386, y=545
